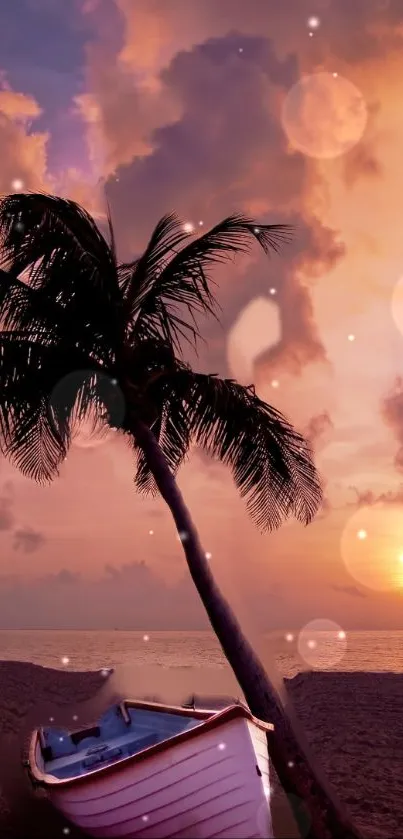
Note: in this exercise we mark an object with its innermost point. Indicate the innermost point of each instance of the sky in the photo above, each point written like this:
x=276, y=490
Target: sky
x=290, y=112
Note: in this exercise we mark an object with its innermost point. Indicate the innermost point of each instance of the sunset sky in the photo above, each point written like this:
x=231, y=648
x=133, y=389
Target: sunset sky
x=291, y=112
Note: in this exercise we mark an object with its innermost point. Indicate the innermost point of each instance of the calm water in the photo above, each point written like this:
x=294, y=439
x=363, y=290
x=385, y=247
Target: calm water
x=164, y=651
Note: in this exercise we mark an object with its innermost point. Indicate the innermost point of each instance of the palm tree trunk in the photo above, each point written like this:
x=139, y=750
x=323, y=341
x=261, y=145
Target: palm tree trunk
x=296, y=771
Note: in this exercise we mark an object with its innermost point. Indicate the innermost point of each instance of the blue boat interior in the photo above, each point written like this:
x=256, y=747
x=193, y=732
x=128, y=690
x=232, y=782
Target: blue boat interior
x=121, y=732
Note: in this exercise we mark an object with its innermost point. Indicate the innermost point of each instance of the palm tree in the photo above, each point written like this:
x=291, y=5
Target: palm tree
x=71, y=313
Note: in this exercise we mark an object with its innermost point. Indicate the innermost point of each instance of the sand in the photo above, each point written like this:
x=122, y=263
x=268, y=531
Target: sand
x=354, y=722
x=29, y=696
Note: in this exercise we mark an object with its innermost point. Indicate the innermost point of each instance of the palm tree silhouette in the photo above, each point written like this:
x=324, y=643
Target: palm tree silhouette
x=87, y=338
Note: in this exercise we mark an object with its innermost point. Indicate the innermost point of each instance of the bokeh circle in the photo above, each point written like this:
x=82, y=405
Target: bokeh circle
x=322, y=644
x=372, y=546
x=324, y=115
x=89, y=432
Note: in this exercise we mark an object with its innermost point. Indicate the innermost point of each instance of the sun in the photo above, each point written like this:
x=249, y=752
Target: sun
x=372, y=547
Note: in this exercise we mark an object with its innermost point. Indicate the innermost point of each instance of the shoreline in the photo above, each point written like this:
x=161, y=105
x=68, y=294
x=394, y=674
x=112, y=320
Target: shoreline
x=353, y=722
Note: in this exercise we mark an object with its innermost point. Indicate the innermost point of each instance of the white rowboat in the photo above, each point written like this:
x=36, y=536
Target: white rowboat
x=153, y=771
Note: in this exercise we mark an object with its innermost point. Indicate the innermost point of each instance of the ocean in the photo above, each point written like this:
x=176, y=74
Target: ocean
x=200, y=651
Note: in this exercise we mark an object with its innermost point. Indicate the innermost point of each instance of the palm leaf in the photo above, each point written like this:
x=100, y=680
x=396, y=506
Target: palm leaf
x=271, y=462
x=35, y=314
x=22, y=308
x=56, y=244
x=163, y=283
x=27, y=436
x=45, y=390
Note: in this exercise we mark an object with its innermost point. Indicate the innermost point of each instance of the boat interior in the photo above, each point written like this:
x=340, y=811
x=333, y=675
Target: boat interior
x=122, y=731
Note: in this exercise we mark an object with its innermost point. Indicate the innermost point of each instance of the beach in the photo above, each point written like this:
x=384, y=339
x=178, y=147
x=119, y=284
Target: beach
x=353, y=721
x=29, y=696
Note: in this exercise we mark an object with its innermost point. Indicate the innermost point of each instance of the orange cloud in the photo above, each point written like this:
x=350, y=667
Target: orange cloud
x=18, y=105
x=23, y=153
x=25, y=159
x=125, y=100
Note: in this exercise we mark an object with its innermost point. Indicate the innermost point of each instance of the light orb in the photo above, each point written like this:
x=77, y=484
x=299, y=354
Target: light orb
x=371, y=546
x=324, y=115
x=88, y=431
x=322, y=644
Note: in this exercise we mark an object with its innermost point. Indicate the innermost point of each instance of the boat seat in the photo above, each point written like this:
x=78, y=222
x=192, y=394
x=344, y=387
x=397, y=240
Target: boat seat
x=56, y=742
x=86, y=733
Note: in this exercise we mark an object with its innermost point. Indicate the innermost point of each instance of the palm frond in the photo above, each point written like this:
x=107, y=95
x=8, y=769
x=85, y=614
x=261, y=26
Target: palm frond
x=45, y=390
x=171, y=429
x=57, y=246
x=139, y=279
x=27, y=436
x=112, y=238
x=165, y=282
x=35, y=448
x=22, y=308
x=271, y=462
x=34, y=313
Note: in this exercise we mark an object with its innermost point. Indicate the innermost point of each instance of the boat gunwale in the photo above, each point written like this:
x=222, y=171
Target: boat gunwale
x=209, y=719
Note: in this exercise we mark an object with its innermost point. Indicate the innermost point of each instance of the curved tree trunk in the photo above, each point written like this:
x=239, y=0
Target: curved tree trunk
x=295, y=769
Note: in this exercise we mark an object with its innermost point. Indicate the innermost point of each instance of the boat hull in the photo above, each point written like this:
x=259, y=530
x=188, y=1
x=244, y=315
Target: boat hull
x=214, y=783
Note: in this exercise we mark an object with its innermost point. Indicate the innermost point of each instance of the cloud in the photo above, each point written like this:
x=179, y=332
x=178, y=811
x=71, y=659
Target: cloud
x=120, y=107
x=211, y=162
x=366, y=498
x=127, y=97
x=152, y=32
x=133, y=597
x=6, y=513
x=361, y=163
x=316, y=432
x=65, y=577
x=23, y=152
x=317, y=427
x=351, y=591
x=27, y=540
x=392, y=414
x=129, y=596
x=208, y=163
